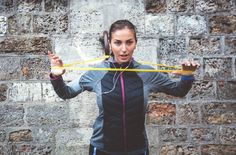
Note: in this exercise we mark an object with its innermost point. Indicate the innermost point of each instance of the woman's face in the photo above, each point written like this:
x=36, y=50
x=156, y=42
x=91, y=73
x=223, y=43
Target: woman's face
x=123, y=44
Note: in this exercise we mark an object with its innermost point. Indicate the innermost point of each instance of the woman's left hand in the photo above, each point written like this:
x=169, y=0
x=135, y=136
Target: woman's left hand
x=188, y=68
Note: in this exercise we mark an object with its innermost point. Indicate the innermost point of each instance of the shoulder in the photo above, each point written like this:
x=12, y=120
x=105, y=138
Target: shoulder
x=138, y=65
x=93, y=73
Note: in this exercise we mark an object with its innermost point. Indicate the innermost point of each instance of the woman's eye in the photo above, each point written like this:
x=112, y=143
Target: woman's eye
x=117, y=43
x=129, y=42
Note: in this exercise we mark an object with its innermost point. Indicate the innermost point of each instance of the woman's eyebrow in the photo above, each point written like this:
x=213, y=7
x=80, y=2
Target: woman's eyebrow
x=131, y=39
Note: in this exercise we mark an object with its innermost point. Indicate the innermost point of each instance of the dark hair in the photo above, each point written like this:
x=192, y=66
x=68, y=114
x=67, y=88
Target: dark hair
x=121, y=24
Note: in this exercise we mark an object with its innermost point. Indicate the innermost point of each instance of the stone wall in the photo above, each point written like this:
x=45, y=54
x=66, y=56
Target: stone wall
x=33, y=120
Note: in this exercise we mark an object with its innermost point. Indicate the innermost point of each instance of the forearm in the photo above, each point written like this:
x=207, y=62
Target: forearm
x=63, y=90
x=180, y=88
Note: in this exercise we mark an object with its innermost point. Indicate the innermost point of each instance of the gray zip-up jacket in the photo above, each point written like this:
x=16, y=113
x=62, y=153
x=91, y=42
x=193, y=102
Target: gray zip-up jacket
x=122, y=101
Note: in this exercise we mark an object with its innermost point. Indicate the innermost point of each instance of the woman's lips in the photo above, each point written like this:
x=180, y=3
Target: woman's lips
x=124, y=56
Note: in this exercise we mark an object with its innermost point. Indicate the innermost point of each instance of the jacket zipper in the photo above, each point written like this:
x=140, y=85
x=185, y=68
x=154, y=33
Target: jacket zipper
x=123, y=108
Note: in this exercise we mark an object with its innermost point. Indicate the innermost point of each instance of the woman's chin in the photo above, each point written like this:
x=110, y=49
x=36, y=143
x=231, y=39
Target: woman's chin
x=123, y=60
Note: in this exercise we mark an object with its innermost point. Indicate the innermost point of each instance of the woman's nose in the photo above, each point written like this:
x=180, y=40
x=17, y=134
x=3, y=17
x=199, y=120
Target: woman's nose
x=123, y=48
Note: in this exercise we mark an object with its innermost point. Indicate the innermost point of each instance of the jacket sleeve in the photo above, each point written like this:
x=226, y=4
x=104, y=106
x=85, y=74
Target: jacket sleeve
x=73, y=88
x=162, y=83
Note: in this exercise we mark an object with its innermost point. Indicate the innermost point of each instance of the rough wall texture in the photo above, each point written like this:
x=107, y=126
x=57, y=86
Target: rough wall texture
x=33, y=120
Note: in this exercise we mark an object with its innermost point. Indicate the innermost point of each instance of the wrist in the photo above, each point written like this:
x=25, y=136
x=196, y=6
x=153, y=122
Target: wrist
x=188, y=77
x=53, y=76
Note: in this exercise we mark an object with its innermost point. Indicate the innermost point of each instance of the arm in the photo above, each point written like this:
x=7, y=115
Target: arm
x=72, y=89
x=162, y=83
x=179, y=88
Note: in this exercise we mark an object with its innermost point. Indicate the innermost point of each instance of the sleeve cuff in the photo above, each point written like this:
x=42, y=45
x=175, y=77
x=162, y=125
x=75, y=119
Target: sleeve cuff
x=187, y=78
x=54, y=77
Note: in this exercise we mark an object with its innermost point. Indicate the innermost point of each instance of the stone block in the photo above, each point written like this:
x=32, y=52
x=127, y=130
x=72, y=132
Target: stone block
x=203, y=135
x=219, y=113
x=48, y=93
x=153, y=6
x=153, y=150
x=46, y=149
x=191, y=25
x=19, y=46
x=188, y=114
x=179, y=149
x=159, y=25
x=217, y=68
x=43, y=135
x=19, y=24
x=234, y=68
x=181, y=6
x=23, y=135
x=29, y=6
x=25, y=92
x=79, y=150
x=161, y=113
x=11, y=44
x=207, y=6
x=1, y=150
x=222, y=24
x=73, y=141
x=78, y=49
x=83, y=109
x=7, y=6
x=173, y=135
x=90, y=22
x=10, y=69
x=153, y=135
x=230, y=45
x=218, y=149
x=41, y=45
x=3, y=25
x=146, y=50
x=96, y=18
x=226, y=90
x=43, y=115
x=154, y=96
x=35, y=68
x=3, y=92
x=134, y=12
x=171, y=47
x=227, y=135
x=56, y=5
x=23, y=149
x=203, y=90
x=50, y=24
x=11, y=115
x=204, y=46
x=2, y=135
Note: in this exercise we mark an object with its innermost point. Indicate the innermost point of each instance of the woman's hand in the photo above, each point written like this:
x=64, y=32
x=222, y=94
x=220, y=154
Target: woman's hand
x=188, y=68
x=56, y=62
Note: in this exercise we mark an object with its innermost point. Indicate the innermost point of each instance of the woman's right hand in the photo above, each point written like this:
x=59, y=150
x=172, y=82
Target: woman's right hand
x=56, y=62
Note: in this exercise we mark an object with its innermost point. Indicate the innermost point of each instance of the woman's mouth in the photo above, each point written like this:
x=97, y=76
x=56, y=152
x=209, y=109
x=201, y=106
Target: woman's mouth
x=124, y=56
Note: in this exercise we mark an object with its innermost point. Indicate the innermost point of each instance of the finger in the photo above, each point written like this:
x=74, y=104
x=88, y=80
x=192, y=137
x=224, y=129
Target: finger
x=51, y=55
x=195, y=64
x=186, y=63
x=55, y=57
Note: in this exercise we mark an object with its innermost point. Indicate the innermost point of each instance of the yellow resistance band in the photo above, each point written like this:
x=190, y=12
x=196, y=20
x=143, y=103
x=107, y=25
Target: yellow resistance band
x=67, y=67
x=86, y=61
x=124, y=70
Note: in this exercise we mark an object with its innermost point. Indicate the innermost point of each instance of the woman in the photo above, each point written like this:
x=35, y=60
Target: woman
x=121, y=96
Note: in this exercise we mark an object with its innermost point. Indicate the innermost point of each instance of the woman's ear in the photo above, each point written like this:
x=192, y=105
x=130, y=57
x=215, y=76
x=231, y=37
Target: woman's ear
x=106, y=43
